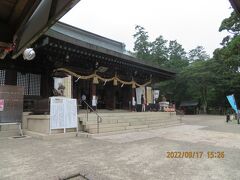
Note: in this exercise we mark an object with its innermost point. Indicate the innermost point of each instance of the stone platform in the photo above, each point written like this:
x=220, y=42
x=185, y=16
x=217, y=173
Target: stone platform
x=123, y=121
x=112, y=121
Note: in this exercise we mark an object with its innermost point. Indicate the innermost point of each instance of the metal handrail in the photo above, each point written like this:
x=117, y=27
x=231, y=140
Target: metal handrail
x=99, y=118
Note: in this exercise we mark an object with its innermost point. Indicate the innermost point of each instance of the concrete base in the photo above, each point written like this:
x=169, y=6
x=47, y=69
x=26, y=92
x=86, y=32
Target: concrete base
x=38, y=125
x=41, y=124
x=49, y=136
x=9, y=133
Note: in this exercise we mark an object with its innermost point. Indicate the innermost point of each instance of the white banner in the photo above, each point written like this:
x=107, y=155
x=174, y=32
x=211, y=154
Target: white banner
x=156, y=94
x=139, y=92
x=149, y=95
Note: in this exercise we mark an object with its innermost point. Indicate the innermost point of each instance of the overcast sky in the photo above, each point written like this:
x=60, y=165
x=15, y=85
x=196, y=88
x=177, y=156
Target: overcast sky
x=190, y=22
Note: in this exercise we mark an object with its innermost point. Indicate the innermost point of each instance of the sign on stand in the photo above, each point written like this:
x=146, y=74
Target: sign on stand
x=63, y=113
x=11, y=104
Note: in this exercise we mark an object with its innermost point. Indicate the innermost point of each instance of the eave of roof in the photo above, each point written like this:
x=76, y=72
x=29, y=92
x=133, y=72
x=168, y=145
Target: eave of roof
x=71, y=34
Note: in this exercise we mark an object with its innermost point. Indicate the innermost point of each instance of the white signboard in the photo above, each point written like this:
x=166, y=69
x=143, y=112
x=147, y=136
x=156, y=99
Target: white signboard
x=70, y=113
x=56, y=113
x=156, y=94
x=63, y=113
x=94, y=101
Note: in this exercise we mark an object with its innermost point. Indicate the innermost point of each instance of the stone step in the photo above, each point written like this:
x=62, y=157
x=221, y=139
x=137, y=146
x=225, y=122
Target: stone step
x=102, y=122
x=127, y=115
x=163, y=124
x=93, y=121
x=135, y=123
x=123, y=128
x=109, y=129
x=136, y=127
x=160, y=121
x=92, y=126
x=129, y=119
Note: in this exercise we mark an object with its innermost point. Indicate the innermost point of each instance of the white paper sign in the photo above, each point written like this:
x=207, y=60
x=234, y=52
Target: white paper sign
x=70, y=113
x=63, y=113
x=138, y=95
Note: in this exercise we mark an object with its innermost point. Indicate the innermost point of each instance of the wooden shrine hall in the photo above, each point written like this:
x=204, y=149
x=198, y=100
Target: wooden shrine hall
x=87, y=64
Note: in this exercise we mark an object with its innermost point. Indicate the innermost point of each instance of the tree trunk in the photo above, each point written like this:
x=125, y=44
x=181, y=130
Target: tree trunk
x=204, y=99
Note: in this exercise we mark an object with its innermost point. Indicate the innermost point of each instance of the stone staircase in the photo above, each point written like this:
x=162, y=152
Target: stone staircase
x=127, y=121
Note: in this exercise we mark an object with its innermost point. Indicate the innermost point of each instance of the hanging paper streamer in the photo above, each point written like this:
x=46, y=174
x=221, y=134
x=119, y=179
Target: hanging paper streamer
x=232, y=102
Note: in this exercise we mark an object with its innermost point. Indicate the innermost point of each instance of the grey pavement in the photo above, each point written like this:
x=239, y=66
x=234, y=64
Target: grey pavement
x=133, y=155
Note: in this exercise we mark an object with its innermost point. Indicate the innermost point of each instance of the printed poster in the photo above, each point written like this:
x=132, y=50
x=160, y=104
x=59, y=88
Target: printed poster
x=1, y=104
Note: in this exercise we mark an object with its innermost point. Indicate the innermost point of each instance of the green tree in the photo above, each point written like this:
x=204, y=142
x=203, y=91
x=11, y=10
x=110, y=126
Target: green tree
x=141, y=44
x=177, y=56
x=198, y=54
x=159, y=50
x=200, y=80
x=232, y=25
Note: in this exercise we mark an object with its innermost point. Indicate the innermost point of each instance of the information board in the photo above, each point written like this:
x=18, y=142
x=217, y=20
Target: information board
x=63, y=113
x=11, y=103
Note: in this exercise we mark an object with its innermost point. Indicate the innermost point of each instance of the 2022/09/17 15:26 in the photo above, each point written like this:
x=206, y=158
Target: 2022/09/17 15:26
x=195, y=154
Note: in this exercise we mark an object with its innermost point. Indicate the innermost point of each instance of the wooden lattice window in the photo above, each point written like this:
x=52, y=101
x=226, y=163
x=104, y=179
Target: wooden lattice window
x=31, y=83
x=2, y=77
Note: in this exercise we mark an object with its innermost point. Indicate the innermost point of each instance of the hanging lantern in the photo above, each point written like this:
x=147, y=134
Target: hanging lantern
x=115, y=82
x=95, y=80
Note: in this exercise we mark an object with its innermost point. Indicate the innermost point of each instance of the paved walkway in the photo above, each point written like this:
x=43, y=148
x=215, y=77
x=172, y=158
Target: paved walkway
x=135, y=155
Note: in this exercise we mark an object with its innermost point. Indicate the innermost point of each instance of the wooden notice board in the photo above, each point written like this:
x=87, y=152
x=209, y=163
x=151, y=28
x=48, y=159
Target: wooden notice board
x=11, y=104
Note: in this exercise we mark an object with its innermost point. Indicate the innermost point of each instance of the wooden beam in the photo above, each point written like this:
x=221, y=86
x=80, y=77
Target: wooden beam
x=17, y=12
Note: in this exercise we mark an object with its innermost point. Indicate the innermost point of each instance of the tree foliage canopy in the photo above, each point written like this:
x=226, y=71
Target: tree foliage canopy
x=199, y=77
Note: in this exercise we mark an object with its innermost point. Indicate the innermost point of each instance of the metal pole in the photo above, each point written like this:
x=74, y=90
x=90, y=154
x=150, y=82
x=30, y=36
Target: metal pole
x=87, y=113
x=97, y=124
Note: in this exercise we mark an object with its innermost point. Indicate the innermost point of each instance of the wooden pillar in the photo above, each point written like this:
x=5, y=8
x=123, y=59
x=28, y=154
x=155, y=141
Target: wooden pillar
x=114, y=90
x=11, y=77
x=45, y=84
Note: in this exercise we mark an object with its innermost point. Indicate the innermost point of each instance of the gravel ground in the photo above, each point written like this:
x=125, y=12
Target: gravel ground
x=134, y=155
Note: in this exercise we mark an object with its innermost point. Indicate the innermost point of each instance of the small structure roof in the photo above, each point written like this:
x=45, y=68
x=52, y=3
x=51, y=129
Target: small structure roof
x=188, y=103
